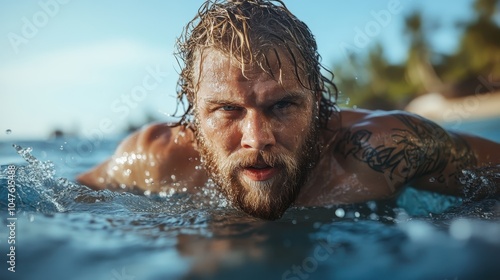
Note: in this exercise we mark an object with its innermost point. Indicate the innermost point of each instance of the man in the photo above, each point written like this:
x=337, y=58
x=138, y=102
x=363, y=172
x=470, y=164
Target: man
x=261, y=121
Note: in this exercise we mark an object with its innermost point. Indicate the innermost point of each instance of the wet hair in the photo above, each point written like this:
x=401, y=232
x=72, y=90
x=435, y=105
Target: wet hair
x=250, y=31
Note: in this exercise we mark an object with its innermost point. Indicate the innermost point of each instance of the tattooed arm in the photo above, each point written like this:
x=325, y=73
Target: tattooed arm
x=468, y=154
x=407, y=149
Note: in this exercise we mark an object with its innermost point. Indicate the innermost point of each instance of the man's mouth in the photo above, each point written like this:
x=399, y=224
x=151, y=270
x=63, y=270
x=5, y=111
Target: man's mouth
x=260, y=172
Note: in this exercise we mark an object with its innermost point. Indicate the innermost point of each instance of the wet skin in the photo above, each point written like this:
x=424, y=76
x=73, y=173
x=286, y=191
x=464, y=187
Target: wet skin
x=364, y=155
x=253, y=113
x=255, y=132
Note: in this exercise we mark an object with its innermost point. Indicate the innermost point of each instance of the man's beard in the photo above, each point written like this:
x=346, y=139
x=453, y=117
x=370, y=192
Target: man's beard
x=264, y=199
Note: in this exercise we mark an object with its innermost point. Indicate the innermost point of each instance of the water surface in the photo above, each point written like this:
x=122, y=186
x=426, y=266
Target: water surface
x=67, y=231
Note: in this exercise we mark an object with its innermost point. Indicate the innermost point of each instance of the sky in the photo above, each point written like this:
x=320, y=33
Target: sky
x=95, y=66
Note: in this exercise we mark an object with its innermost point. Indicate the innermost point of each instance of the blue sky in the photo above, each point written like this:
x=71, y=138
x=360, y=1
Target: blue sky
x=87, y=66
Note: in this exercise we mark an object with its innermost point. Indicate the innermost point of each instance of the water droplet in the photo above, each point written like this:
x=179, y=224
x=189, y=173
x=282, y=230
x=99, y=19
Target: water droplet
x=61, y=148
x=340, y=212
x=355, y=107
x=347, y=101
x=63, y=182
x=432, y=180
x=372, y=205
x=356, y=77
x=171, y=191
x=127, y=172
x=8, y=131
x=374, y=217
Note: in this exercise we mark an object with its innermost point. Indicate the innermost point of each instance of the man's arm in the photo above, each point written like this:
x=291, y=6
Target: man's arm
x=469, y=155
x=408, y=149
x=152, y=158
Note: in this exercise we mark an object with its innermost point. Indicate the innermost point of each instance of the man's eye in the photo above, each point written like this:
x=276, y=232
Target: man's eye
x=282, y=104
x=229, y=108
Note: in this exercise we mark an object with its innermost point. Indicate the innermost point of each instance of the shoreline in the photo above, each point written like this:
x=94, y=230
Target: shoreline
x=437, y=108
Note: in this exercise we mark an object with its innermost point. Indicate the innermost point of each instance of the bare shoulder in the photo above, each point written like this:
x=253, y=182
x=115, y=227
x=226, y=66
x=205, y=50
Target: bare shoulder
x=142, y=139
x=388, y=126
x=160, y=139
x=390, y=148
x=377, y=119
x=388, y=131
x=360, y=160
x=151, y=157
x=110, y=173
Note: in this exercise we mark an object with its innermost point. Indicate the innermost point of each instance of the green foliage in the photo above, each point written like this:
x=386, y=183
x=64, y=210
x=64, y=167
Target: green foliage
x=370, y=81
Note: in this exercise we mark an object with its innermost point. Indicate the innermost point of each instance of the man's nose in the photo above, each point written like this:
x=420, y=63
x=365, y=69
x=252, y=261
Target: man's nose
x=257, y=132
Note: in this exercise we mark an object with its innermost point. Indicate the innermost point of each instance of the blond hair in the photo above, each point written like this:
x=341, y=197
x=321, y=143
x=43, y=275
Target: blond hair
x=249, y=31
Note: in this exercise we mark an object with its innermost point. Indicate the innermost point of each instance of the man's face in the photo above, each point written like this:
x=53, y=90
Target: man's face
x=257, y=137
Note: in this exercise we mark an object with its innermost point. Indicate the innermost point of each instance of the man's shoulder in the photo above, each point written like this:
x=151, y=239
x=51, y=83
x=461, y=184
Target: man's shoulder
x=373, y=118
x=155, y=132
x=364, y=151
x=156, y=135
x=376, y=128
x=148, y=158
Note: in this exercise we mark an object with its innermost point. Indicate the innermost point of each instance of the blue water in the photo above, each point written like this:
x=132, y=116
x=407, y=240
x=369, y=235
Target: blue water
x=66, y=231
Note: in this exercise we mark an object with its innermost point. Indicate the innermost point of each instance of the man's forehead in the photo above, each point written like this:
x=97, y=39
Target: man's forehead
x=212, y=65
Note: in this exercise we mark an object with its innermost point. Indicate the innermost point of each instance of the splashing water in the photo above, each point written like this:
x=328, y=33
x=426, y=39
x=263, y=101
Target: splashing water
x=480, y=183
x=37, y=175
x=39, y=190
x=38, y=172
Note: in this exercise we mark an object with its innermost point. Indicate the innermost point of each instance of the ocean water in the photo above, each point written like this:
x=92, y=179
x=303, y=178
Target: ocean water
x=63, y=230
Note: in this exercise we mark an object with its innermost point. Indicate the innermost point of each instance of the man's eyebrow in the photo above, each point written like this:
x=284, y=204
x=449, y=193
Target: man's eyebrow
x=293, y=96
x=287, y=96
x=218, y=101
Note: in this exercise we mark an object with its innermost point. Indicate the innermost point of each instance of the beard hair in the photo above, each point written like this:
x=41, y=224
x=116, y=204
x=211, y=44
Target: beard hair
x=264, y=199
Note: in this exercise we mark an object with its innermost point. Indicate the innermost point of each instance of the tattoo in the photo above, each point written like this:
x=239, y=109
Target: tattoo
x=422, y=147
x=462, y=156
